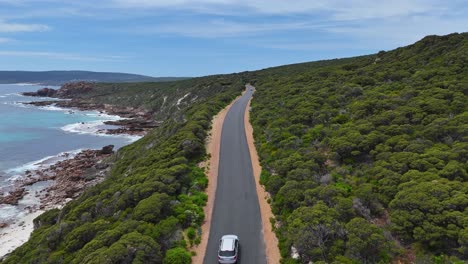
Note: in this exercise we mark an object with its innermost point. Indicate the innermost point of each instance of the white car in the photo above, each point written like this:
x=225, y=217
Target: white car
x=228, y=252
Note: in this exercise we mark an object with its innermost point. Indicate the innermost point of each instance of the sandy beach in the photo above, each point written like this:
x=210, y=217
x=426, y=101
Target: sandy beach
x=15, y=234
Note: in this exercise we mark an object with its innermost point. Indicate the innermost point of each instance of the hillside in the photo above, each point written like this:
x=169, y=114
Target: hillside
x=365, y=159
x=61, y=77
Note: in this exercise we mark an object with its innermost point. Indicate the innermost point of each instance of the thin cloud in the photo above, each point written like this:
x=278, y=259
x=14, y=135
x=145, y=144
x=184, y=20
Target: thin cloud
x=6, y=27
x=61, y=56
x=398, y=32
x=223, y=28
x=5, y=40
x=356, y=18
x=334, y=10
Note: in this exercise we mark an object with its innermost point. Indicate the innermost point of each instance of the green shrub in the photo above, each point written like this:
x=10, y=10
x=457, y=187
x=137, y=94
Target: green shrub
x=177, y=256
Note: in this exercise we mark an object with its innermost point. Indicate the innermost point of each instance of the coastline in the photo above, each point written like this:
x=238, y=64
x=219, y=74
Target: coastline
x=53, y=181
x=49, y=186
x=120, y=121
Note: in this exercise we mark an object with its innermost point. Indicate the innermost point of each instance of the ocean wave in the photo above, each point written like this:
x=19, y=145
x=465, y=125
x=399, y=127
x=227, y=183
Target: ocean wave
x=15, y=94
x=8, y=212
x=41, y=163
x=56, y=108
x=18, y=104
x=96, y=128
x=92, y=127
x=104, y=116
x=26, y=84
x=101, y=116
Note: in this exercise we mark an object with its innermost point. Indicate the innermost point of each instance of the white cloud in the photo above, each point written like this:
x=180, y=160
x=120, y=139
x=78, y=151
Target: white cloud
x=334, y=9
x=224, y=28
x=364, y=18
x=6, y=27
x=372, y=22
x=397, y=31
x=61, y=56
x=5, y=40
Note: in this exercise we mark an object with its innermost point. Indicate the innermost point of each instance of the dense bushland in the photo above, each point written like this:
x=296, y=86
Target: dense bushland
x=153, y=194
x=366, y=158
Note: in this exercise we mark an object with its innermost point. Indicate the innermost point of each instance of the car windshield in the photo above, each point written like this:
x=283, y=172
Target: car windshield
x=227, y=253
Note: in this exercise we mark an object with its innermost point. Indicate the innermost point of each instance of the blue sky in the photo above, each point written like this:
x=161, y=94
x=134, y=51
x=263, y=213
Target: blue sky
x=202, y=37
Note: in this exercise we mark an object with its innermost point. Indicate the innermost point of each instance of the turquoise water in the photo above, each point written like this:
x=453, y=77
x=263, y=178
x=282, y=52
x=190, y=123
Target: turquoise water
x=29, y=134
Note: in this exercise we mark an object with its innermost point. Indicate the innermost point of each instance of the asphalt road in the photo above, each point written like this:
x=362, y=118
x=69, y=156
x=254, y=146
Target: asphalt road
x=236, y=209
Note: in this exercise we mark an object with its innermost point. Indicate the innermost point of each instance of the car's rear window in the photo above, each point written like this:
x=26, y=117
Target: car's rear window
x=227, y=253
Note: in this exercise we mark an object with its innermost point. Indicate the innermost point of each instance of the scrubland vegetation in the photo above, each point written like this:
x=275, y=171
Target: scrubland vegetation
x=366, y=158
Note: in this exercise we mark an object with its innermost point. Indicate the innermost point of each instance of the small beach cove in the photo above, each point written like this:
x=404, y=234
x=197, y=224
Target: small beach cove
x=49, y=154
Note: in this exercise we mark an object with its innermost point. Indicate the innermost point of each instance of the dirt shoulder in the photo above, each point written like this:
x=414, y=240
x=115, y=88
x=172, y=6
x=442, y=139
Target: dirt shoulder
x=271, y=241
x=213, y=144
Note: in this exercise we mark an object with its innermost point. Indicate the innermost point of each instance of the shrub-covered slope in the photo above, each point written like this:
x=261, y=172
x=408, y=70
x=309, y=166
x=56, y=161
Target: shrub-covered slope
x=153, y=194
x=366, y=158
x=161, y=99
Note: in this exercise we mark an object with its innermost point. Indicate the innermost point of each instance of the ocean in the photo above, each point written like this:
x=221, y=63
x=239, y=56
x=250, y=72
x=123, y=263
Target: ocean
x=33, y=137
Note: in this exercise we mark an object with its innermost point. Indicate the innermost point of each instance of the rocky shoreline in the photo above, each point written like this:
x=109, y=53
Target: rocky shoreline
x=70, y=177
x=134, y=121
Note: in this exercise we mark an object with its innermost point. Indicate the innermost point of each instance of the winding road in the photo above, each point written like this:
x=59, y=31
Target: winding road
x=236, y=209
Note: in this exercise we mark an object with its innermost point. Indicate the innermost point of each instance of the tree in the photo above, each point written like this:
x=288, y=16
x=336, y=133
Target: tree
x=366, y=242
x=315, y=232
x=177, y=256
x=153, y=208
x=431, y=213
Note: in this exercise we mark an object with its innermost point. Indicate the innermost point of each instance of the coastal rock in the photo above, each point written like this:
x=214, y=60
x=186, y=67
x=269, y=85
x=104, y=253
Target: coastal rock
x=13, y=197
x=107, y=150
x=74, y=175
x=44, y=92
x=74, y=89
x=68, y=90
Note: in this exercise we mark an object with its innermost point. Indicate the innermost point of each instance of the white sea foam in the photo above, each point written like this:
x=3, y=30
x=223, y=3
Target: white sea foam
x=104, y=116
x=8, y=211
x=18, y=104
x=41, y=163
x=54, y=108
x=91, y=127
x=15, y=94
x=26, y=84
x=96, y=128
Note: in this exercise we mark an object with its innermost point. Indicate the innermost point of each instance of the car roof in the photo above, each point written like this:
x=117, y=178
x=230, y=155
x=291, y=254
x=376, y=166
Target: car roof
x=227, y=242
